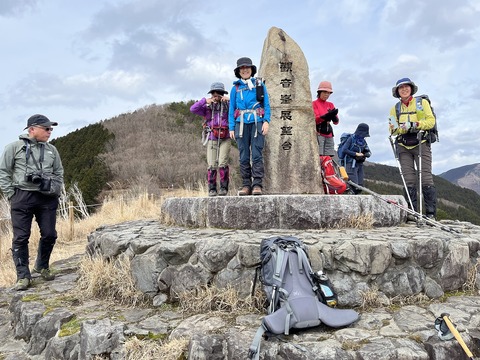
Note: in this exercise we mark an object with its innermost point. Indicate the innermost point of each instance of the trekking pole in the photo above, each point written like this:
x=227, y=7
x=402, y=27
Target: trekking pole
x=395, y=152
x=420, y=190
x=455, y=333
x=406, y=208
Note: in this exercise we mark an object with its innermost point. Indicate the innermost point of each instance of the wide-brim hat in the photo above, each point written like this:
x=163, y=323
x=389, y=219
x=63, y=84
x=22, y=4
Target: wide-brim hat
x=325, y=86
x=404, y=81
x=217, y=87
x=244, y=61
x=39, y=120
x=363, y=130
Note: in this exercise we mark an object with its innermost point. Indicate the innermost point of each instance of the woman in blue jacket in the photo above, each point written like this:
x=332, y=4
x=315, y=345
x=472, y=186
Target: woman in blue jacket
x=248, y=122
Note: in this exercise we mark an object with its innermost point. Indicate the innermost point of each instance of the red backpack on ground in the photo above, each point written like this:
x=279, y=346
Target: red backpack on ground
x=332, y=182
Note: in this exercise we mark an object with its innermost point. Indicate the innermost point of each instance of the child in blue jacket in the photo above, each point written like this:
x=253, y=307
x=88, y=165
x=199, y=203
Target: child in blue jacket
x=356, y=152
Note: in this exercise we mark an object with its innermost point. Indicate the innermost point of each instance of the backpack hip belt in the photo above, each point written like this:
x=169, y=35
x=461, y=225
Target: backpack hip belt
x=240, y=114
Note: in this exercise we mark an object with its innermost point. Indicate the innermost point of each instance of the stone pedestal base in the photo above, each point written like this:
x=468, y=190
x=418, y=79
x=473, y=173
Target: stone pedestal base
x=282, y=211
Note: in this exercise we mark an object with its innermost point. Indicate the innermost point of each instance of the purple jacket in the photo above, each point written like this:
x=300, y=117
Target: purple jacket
x=216, y=117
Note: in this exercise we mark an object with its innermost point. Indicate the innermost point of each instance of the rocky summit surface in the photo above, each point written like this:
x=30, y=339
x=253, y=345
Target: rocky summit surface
x=30, y=320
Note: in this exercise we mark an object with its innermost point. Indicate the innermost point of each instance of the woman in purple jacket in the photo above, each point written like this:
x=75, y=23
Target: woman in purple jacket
x=215, y=112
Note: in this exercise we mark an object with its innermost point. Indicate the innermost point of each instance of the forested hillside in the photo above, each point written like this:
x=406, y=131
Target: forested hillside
x=80, y=152
x=454, y=202
x=159, y=146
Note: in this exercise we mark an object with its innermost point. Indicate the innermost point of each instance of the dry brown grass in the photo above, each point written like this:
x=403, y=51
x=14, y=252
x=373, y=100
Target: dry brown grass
x=227, y=300
x=153, y=349
x=109, y=281
x=470, y=283
x=361, y=222
x=72, y=237
x=370, y=299
x=416, y=299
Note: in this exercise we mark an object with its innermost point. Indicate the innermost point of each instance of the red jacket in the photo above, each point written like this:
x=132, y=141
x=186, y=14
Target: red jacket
x=321, y=107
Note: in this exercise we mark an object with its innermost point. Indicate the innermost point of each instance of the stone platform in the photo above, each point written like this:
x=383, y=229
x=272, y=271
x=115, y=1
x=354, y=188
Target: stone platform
x=385, y=266
x=282, y=211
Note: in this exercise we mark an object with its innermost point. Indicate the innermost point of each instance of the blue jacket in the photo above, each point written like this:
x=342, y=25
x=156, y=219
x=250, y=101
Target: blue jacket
x=356, y=144
x=241, y=98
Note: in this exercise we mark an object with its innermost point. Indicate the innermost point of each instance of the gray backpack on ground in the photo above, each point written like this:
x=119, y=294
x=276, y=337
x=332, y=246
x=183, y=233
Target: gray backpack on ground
x=293, y=293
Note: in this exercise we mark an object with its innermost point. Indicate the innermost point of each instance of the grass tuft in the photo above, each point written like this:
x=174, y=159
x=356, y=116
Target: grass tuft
x=226, y=300
x=109, y=281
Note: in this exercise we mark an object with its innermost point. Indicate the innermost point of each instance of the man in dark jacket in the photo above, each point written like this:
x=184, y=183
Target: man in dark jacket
x=26, y=170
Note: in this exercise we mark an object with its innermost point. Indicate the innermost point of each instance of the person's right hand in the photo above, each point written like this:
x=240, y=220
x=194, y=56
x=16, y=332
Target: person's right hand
x=232, y=134
x=406, y=125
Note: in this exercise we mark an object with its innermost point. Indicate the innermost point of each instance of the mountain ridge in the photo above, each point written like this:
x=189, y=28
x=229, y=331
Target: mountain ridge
x=467, y=176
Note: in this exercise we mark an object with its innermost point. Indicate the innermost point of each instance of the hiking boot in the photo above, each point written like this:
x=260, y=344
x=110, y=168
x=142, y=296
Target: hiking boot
x=411, y=218
x=257, y=190
x=212, y=193
x=22, y=284
x=432, y=218
x=222, y=192
x=45, y=274
x=244, y=191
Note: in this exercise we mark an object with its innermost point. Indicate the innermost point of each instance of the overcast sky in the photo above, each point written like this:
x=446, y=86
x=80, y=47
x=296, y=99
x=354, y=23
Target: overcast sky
x=79, y=62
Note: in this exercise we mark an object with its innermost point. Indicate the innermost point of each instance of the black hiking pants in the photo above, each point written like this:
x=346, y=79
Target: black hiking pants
x=250, y=146
x=24, y=205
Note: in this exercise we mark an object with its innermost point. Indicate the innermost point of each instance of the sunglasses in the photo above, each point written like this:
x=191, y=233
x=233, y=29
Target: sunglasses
x=45, y=128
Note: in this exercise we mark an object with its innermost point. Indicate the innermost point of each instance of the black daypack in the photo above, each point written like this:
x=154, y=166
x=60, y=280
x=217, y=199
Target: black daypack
x=297, y=297
x=432, y=134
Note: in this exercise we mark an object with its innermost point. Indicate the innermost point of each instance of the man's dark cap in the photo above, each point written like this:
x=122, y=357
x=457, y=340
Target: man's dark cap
x=39, y=120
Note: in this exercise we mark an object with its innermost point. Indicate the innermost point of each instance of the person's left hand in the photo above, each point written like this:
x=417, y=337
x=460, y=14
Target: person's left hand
x=265, y=127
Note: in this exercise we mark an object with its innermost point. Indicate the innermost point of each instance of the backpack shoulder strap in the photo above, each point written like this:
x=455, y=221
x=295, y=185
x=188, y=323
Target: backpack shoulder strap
x=254, y=351
x=397, y=110
x=398, y=107
x=418, y=101
x=280, y=260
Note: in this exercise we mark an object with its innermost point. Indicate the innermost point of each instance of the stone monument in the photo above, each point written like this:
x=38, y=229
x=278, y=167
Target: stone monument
x=291, y=151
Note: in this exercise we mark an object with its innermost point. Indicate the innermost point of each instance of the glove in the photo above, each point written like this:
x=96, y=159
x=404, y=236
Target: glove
x=414, y=125
x=333, y=111
x=330, y=115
